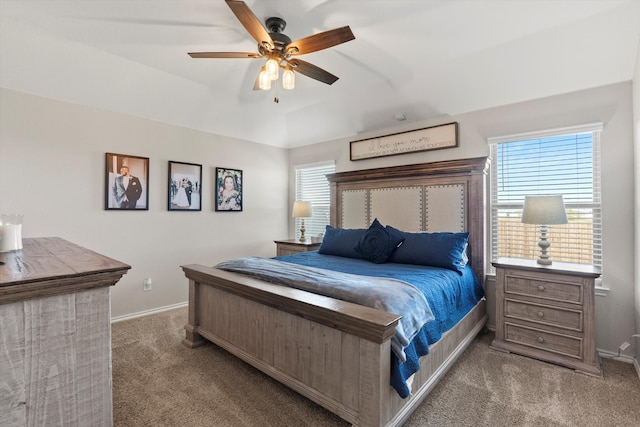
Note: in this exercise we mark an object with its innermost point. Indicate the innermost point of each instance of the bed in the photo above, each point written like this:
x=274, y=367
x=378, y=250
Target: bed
x=333, y=351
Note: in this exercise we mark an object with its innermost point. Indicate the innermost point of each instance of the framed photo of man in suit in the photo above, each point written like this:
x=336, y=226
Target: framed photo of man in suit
x=126, y=182
x=185, y=186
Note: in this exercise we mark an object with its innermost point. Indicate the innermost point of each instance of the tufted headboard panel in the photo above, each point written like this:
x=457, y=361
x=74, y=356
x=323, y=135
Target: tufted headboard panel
x=439, y=196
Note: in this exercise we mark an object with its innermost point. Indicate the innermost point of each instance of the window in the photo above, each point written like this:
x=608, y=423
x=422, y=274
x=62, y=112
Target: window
x=312, y=186
x=561, y=161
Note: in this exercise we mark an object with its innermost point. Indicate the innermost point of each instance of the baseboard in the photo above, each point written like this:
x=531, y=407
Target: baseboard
x=148, y=312
x=620, y=358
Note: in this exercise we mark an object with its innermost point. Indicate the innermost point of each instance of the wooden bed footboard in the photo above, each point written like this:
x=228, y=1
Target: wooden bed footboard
x=333, y=352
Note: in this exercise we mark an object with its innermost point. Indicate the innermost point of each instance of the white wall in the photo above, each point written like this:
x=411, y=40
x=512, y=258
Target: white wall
x=611, y=105
x=52, y=170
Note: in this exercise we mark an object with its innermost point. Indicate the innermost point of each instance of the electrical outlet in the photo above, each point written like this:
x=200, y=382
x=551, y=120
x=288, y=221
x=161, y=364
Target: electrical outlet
x=146, y=284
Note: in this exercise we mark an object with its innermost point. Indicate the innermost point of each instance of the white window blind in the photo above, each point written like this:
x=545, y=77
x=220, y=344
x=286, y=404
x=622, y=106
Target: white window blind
x=561, y=161
x=312, y=186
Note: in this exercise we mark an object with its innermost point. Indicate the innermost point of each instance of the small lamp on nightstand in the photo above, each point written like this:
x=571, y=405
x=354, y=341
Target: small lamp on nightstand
x=302, y=210
x=544, y=210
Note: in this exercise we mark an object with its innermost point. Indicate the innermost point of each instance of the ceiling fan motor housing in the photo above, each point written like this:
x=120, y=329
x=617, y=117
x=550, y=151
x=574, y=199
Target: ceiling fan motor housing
x=275, y=26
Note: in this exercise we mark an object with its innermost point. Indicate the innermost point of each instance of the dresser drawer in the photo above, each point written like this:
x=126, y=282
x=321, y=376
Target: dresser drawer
x=544, y=314
x=544, y=289
x=547, y=341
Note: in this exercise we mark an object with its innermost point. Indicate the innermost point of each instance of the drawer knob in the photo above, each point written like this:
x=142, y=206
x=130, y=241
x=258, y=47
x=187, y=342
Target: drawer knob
x=541, y=288
x=540, y=340
x=540, y=314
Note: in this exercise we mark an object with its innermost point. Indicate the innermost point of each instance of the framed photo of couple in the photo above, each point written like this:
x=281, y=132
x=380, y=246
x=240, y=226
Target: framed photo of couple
x=185, y=186
x=126, y=182
x=228, y=189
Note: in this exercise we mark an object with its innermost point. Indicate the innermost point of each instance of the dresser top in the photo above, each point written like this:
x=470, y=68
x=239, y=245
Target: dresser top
x=557, y=267
x=52, y=265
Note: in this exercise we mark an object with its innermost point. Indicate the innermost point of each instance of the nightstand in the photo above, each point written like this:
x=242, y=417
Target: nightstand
x=547, y=312
x=293, y=246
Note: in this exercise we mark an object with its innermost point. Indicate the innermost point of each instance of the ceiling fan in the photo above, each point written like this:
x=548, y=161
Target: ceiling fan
x=279, y=50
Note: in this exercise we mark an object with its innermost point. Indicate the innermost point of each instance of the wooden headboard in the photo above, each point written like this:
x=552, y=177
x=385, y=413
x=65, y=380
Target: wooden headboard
x=439, y=196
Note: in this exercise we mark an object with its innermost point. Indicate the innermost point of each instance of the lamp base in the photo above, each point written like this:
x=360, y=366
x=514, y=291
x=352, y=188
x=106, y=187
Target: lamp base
x=302, y=230
x=544, y=246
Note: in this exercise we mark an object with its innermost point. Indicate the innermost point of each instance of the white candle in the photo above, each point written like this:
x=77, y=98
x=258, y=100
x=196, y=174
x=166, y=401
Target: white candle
x=10, y=237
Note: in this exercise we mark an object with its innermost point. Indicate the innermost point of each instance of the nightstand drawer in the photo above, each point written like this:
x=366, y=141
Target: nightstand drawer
x=292, y=246
x=544, y=314
x=288, y=250
x=550, y=290
x=547, y=341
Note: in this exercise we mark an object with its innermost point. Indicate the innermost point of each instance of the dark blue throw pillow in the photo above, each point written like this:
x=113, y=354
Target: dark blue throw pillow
x=341, y=241
x=378, y=243
x=442, y=249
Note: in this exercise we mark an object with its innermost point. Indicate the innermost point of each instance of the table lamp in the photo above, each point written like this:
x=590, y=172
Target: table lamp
x=302, y=210
x=544, y=210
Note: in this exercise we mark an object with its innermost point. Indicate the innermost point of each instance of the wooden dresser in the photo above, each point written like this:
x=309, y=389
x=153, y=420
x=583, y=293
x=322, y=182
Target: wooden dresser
x=55, y=335
x=547, y=312
x=293, y=246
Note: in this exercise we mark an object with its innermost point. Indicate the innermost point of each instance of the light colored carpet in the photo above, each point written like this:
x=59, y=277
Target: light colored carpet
x=159, y=382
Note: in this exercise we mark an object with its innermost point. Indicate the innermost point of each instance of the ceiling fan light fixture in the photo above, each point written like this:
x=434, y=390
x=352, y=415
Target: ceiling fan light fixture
x=277, y=48
x=272, y=67
x=288, y=79
x=264, y=81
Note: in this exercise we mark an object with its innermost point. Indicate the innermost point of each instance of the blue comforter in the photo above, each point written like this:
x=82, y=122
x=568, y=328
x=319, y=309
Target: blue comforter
x=451, y=296
x=388, y=294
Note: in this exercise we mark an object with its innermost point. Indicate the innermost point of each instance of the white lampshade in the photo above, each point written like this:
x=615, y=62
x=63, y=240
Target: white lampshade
x=301, y=209
x=544, y=210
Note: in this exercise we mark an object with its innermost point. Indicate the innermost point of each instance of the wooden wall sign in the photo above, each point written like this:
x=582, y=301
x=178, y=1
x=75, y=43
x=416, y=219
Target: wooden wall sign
x=431, y=138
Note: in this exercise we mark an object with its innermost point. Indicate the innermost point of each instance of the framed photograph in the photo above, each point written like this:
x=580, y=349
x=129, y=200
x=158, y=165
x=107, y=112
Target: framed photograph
x=185, y=186
x=228, y=189
x=431, y=138
x=126, y=182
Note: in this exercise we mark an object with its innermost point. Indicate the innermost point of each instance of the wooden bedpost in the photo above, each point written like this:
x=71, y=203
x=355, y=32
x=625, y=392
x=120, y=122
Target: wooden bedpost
x=192, y=338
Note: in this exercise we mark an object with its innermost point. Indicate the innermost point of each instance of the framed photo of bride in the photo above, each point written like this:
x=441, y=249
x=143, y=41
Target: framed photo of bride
x=228, y=190
x=185, y=186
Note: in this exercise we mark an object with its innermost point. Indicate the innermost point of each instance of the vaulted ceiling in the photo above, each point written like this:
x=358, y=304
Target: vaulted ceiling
x=423, y=58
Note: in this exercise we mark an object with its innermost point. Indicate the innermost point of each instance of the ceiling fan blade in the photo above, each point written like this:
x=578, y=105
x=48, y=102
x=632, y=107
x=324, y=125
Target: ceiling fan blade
x=251, y=23
x=224, y=55
x=320, y=41
x=312, y=71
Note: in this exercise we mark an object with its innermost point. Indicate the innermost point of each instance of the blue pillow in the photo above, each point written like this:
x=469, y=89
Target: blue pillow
x=378, y=243
x=341, y=241
x=443, y=249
